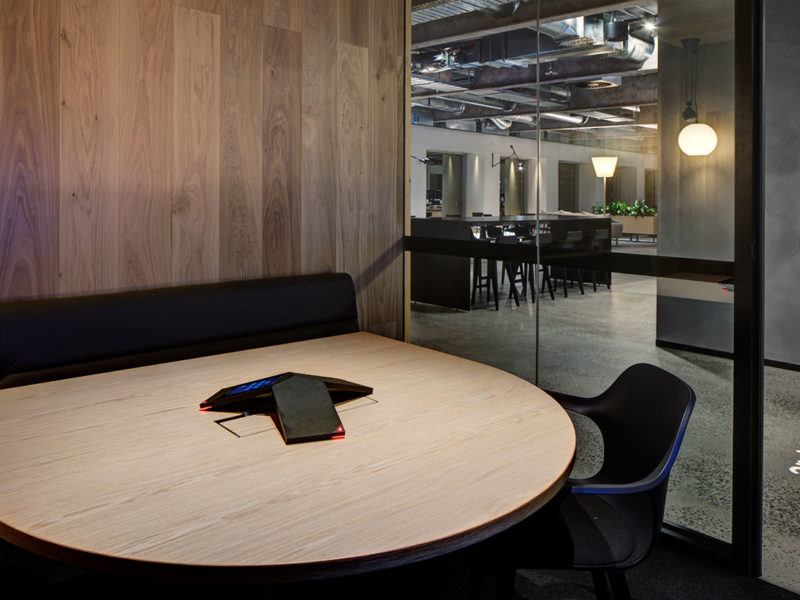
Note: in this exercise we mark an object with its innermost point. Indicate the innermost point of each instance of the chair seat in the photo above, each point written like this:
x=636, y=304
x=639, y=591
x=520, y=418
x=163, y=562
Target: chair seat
x=607, y=523
x=586, y=531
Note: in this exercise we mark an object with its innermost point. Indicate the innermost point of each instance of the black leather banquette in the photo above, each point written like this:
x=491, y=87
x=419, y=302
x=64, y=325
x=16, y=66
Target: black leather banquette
x=47, y=339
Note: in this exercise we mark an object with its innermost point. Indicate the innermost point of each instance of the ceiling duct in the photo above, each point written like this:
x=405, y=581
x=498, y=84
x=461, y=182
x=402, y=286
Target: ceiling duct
x=615, y=31
x=500, y=11
x=566, y=29
x=566, y=117
x=453, y=106
x=607, y=81
x=500, y=123
x=581, y=36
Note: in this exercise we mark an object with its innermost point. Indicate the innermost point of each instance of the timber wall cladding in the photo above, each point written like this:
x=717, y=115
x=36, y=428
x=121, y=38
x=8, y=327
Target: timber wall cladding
x=157, y=142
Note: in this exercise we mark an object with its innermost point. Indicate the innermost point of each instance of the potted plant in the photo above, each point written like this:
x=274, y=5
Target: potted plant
x=639, y=219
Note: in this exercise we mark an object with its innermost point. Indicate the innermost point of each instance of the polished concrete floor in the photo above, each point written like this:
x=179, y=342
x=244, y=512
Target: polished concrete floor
x=585, y=340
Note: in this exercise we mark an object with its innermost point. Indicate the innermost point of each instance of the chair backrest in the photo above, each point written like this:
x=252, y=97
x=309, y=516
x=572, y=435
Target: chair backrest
x=493, y=232
x=643, y=417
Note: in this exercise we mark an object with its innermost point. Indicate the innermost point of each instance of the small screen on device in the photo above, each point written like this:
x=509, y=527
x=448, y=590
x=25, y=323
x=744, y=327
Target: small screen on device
x=252, y=385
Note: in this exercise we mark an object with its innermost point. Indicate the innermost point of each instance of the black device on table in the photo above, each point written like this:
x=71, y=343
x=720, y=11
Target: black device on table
x=304, y=404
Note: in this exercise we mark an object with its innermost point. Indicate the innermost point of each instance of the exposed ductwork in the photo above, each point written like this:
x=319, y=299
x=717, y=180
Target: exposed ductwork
x=500, y=123
x=452, y=106
x=580, y=36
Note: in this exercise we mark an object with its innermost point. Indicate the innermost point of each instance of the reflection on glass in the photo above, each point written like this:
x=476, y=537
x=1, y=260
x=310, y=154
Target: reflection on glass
x=592, y=96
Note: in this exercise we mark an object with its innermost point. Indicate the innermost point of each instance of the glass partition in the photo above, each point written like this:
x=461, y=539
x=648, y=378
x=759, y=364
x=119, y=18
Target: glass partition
x=614, y=242
x=781, y=480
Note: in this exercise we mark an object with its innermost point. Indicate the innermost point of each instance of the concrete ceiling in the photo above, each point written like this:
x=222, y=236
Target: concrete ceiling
x=474, y=66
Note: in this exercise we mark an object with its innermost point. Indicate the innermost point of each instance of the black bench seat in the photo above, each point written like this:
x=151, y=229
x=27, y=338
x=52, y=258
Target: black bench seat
x=56, y=338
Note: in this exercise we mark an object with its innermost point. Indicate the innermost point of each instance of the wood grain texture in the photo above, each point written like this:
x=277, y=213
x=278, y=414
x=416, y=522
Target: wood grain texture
x=175, y=181
x=354, y=226
x=282, y=143
x=445, y=452
x=89, y=146
x=284, y=14
x=241, y=226
x=319, y=204
x=145, y=187
x=212, y=6
x=29, y=149
x=196, y=149
x=354, y=21
x=387, y=155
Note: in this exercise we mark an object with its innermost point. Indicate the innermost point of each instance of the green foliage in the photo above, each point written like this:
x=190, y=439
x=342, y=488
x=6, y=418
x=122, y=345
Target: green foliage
x=637, y=209
x=640, y=209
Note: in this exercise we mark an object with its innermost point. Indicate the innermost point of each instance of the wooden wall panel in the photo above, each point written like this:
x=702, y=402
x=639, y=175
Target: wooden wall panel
x=387, y=152
x=196, y=150
x=284, y=14
x=202, y=140
x=241, y=226
x=145, y=197
x=89, y=146
x=212, y=6
x=354, y=218
x=319, y=204
x=29, y=149
x=282, y=143
x=354, y=21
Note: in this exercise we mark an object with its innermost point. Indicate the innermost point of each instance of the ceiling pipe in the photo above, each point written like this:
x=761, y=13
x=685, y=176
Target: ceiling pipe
x=566, y=118
x=453, y=106
x=500, y=123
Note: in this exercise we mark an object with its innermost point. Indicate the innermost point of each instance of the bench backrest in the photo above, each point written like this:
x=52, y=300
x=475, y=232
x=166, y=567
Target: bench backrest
x=55, y=338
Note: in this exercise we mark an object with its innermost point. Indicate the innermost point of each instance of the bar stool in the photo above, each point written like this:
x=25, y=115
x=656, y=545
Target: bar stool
x=488, y=281
x=596, y=244
x=545, y=239
x=571, y=241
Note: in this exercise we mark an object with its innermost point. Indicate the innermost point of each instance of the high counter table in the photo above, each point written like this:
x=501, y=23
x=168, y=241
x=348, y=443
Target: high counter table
x=444, y=279
x=120, y=471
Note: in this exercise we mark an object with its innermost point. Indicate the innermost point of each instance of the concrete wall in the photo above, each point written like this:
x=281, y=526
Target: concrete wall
x=483, y=181
x=452, y=184
x=696, y=197
x=782, y=172
x=514, y=188
x=696, y=192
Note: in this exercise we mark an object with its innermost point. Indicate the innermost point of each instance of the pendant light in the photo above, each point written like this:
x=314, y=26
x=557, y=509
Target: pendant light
x=695, y=139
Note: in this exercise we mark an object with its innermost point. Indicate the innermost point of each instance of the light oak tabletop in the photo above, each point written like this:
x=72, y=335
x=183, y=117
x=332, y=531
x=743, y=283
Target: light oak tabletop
x=121, y=471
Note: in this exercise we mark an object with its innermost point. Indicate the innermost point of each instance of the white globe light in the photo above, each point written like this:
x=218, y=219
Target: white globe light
x=697, y=139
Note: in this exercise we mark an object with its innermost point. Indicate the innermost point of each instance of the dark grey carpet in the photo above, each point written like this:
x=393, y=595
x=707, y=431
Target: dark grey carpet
x=671, y=572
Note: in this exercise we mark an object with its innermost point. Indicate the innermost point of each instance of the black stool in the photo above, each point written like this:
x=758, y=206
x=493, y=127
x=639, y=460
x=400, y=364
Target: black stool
x=596, y=244
x=488, y=281
x=571, y=241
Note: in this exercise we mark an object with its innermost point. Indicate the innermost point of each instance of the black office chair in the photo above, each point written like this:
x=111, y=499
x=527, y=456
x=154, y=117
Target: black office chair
x=606, y=523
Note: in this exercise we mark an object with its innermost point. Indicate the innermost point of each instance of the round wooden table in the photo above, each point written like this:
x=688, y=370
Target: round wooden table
x=121, y=471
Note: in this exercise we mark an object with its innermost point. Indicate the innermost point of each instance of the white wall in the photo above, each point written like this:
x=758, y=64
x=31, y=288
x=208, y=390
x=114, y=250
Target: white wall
x=483, y=180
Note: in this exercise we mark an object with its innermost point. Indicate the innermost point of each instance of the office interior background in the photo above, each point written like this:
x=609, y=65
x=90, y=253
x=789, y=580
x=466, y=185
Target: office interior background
x=159, y=142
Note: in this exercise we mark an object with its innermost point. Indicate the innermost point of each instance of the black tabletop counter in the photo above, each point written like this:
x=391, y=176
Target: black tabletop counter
x=444, y=278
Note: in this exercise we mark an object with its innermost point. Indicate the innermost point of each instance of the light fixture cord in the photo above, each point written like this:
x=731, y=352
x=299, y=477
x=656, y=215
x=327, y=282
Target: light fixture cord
x=690, y=76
